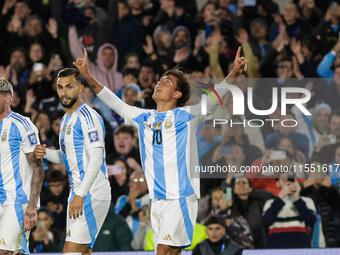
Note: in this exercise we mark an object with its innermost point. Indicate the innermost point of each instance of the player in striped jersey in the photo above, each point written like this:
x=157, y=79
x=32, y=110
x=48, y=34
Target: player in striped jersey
x=82, y=151
x=165, y=147
x=21, y=175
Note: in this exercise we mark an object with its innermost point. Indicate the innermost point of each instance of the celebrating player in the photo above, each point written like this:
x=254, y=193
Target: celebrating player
x=21, y=175
x=82, y=151
x=165, y=144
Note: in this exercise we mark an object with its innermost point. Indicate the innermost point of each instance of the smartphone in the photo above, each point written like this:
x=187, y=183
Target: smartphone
x=236, y=162
x=333, y=4
x=249, y=2
x=227, y=150
x=38, y=67
x=291, y=178
x=202, y=35
x=227, y=194
x=55, y=56
x=113, y=170
x=331, y=139
x=277, y=155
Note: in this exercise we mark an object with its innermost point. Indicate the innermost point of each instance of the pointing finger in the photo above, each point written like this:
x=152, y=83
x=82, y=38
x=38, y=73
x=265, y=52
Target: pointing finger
x=238, y=53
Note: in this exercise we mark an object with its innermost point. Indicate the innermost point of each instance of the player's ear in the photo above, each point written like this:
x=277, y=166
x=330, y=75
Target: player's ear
x=177, y=94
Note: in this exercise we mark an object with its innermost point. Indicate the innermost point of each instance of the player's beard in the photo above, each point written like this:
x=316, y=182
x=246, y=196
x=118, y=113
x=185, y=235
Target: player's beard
x=70, y=104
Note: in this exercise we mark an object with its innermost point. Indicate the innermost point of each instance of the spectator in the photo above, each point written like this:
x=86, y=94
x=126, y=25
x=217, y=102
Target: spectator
x=327, y=151
x=218, y=242
x=290, y=217
x=55, y=196
x=45, y=237
x=289, y=129
x=119, y=175
x=128, y=206
x=326, y=198
x=125, y=147
x=131, y=60
x=249, y=203
x=107, y=58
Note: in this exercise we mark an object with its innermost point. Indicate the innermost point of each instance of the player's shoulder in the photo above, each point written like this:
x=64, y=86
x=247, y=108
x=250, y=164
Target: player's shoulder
x=89, y=115
x=21, y=122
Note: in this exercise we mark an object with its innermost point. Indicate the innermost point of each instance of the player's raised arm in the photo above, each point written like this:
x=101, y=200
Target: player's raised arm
x=82, y=65
x=240, y=66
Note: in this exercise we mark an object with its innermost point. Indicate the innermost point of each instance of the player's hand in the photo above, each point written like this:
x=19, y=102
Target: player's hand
x=40, y=151
x=76, y=207
x=82, y=63
x=240, y=63
x=30, y=219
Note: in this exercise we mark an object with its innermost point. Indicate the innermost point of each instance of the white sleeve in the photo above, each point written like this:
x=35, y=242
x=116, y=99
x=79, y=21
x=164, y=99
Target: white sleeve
x=30, y=137
x=114, y=102
x=127, y=112
x=54, y=156
x=92, y=170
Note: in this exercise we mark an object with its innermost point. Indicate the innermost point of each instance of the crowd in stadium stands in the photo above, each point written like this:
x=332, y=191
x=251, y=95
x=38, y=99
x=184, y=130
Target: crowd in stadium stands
x=130, y=44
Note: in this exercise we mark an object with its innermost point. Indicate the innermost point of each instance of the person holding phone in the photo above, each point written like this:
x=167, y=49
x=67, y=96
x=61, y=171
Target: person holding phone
x=290, y=217
x=45, y=237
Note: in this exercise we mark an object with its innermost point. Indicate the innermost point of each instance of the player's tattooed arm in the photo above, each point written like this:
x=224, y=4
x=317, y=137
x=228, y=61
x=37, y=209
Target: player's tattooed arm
x=30, y=217
x=37, y=180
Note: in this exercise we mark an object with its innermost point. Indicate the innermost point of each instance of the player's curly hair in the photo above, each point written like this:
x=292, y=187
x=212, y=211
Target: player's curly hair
x=183, y=85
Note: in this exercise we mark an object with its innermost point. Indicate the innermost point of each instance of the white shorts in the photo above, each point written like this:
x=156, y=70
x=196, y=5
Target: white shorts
x=12, y=234
x=173, y=221
x=85, y=228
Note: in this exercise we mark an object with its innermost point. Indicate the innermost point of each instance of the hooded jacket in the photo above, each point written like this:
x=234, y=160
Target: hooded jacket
x=110, y=78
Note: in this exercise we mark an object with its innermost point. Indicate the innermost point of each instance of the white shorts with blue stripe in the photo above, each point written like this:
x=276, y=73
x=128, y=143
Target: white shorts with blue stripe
x=12, y=234
x=85, y=228
x=173, y=221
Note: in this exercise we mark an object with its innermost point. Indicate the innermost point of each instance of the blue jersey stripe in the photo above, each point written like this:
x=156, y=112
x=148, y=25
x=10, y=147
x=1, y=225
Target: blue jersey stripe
x=63, y=123
x=3, y=195
x=14, y=116
x=158, y=159
x=20, y=216
x=90, y=219
x=90, y=116
x=186, y=217
x=14, y=136
x=78, y=141
x=182, y=134
x=24, y=120
x=140, y=120
x=86, y=118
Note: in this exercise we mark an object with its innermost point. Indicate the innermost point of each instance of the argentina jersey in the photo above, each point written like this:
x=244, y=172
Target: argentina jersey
x=164, y=140
x=18, y=136
x=80, y=131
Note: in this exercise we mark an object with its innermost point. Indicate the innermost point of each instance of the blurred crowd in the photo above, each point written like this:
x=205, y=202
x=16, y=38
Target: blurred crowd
x=130, y=44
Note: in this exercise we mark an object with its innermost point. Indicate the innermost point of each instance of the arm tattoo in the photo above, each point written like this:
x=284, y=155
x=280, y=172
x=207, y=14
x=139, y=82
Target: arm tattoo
x=37, y=180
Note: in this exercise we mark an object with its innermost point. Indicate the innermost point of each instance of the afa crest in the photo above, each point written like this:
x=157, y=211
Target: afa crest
x=4, y=136
x=168, y=123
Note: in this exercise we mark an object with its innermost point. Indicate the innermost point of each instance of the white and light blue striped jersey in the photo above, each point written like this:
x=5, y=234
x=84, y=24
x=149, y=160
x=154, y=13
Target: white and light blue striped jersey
x=165, y=146
x=80, y=131
x=168, y=144
x=18, y=136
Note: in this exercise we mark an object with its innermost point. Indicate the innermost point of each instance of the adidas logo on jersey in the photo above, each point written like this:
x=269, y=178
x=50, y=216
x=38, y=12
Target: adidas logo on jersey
x=2, y=241
x=167, y=238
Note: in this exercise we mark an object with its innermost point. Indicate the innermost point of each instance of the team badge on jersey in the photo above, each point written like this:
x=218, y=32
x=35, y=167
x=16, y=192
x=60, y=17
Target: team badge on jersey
x=168, y=123
x=158, y=125
x=4, y=136
x=93, y=136
x=69, y=129
x=32, y=138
